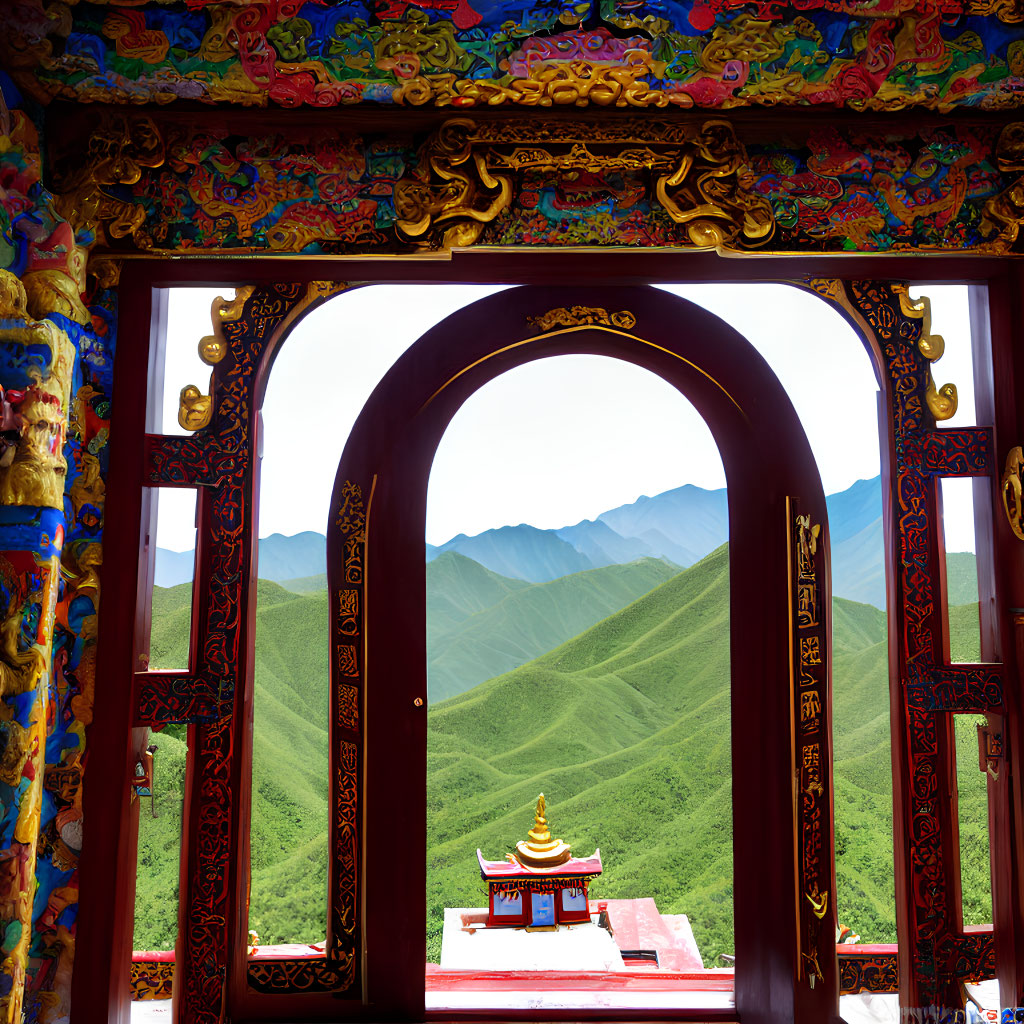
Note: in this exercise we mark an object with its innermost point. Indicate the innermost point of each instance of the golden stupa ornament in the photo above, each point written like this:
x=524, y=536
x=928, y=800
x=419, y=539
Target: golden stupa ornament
x=540, y=850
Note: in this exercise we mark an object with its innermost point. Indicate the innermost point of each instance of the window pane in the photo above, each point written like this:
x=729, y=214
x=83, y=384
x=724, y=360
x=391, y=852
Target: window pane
x=160, y=792
x=174, y=574
x=961, y=569
x=972, y=805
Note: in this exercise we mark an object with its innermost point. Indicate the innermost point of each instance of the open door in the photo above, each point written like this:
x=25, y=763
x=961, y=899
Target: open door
x=784, y=874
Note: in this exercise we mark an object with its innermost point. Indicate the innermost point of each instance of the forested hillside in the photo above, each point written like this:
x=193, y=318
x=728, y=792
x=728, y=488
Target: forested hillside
x=625, y=727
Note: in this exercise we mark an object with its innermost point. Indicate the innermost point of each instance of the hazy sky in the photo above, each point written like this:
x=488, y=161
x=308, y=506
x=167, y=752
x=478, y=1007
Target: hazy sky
x=560, y=439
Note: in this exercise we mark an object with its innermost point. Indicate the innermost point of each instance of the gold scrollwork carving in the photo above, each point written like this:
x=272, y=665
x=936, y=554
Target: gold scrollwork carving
x=118, y=149
x=468, y=173
x=351, y=519
x=941, y=401
x=807, y=539
x=194, y=408
x=582, y=316
x=107, y=272
x=1010, y=485
x=1008, y=11
x=1004, y=214
x=231, y=309
x=433, y=42
x=465, y=197
x=325, y=289
x=931, y=346
x=573, y=83
x=819, y=903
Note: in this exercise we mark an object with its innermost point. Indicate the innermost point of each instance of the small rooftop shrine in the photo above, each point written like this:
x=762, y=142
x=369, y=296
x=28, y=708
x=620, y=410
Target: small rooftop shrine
x=541, y=885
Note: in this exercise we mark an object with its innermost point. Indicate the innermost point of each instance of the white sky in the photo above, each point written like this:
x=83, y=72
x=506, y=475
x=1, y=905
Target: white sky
x=560, y=439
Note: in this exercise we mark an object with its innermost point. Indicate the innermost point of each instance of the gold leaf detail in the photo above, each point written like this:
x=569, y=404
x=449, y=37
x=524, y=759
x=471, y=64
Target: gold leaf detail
x=194, y=408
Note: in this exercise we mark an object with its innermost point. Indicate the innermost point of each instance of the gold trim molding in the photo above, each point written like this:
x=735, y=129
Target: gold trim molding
x=582, y=316
x=941, y=401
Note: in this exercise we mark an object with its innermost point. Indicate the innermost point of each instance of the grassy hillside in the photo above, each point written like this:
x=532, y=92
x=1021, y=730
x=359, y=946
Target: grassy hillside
x=512, y=621
x=625, y=730
x=624, y=727
x=156, y=892
x=289, y=833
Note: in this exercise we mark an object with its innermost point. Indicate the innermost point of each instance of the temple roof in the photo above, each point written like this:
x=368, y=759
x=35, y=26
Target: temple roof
x=540, y=855
x=574, y=867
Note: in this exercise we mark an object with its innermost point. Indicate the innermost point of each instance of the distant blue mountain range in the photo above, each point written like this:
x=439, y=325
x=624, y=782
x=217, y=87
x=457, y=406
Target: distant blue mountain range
x=682, y=525
x=281, y=558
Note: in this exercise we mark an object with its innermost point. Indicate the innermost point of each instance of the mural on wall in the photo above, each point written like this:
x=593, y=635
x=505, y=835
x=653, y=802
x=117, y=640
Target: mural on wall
x=950, y=188
x=57, y=497
x=712, y=54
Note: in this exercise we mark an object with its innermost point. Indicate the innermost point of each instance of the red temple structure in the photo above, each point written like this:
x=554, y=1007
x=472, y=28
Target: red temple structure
x=541, y=884
x=288, y=152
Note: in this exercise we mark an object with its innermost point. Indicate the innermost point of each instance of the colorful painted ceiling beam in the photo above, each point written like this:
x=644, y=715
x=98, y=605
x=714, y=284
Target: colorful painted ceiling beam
x=175, y=187
x=710, y=54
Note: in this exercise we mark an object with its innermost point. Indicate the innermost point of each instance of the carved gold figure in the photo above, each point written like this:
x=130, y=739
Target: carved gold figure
x=33, y=420
x=119, y=148
x=212, y=349
x=942, y=402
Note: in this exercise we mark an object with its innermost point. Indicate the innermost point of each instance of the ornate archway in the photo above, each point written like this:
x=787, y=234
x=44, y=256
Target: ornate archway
x=779, y=596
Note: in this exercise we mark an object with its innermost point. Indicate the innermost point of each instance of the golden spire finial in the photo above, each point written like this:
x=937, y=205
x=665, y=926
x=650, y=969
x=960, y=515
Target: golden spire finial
x=541, y=851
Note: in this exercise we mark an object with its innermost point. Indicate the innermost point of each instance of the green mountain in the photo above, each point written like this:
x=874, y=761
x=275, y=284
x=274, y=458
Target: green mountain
x=480, y=624
x=288, y=899
x=625, y=728
x=458, y=588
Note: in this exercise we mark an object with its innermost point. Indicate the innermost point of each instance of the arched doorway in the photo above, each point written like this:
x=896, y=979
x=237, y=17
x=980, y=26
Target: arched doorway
x=782, y=806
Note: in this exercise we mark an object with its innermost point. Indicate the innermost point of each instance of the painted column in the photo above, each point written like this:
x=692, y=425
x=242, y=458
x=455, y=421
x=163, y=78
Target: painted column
x=36, y=363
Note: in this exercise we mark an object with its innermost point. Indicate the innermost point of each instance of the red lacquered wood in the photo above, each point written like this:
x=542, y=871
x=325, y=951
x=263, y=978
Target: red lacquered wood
x=502, y=920
x=103, y=952
x=997, y=314
x=766, y=458
x=97, y=915
x=440, y=980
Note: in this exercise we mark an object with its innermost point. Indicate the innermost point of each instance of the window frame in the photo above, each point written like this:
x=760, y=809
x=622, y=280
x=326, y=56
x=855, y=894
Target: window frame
x=993, y=315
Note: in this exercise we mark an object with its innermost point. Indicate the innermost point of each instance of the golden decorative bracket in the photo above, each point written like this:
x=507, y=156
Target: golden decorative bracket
x=941, y=401
x=195, y=409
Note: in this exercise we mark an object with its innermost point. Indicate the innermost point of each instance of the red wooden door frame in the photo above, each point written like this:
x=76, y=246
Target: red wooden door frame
x=767, y=459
